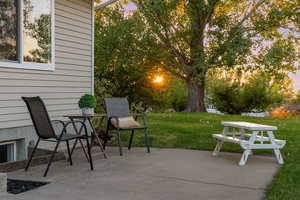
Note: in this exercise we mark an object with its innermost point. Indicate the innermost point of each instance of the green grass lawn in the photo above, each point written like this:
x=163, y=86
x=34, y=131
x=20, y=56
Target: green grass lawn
x=193, y=131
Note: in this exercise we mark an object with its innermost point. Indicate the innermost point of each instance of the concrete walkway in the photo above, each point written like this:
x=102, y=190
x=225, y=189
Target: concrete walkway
x=165, y=174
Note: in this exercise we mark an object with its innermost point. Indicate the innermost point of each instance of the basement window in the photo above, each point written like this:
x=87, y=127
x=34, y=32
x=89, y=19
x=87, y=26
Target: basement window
x=7, y=152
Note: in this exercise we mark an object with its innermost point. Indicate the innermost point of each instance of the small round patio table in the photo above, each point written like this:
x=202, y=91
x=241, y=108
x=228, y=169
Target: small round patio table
x=87, y=119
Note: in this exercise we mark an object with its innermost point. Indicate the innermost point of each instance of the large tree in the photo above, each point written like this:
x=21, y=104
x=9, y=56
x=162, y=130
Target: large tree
x=121, y=69
x=193, y=36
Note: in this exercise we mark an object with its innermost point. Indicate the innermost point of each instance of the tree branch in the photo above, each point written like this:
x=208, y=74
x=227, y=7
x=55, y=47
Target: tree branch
x=179, y=75
x=164, y=37
x=212, y=4
x=251, y=12
x=233, y=30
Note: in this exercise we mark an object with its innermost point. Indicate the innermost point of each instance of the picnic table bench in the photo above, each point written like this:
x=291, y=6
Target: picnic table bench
x=260, y=137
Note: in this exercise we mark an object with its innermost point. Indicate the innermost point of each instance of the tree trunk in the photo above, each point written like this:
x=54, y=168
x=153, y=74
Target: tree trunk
x=196, y=94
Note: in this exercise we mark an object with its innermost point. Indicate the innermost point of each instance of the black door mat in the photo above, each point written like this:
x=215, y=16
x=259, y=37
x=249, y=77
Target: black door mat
x=19, y=186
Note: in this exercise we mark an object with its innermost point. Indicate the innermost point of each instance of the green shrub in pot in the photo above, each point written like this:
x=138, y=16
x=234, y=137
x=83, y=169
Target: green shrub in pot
x=87, y=103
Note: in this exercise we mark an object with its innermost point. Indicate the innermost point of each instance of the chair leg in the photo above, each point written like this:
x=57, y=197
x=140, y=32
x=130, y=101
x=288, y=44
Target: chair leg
x=104, y=143
x=69, y=153
x=120, y=144
x=92, y=141
x=51, y=159
x=147, y=140
x=105, y=139
x=130, y=139
x=89, y=153
x=32, y=154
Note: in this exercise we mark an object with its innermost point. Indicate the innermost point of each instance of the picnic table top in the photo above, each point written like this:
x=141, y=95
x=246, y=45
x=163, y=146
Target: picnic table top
x=249, y=126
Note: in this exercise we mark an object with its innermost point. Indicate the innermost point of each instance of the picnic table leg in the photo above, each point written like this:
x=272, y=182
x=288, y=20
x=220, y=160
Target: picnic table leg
x=276, y=149
x=244, y=158
x=220, y=143
x=278, y=156
x=242, y=134
x=248, y=150
x=218, y=148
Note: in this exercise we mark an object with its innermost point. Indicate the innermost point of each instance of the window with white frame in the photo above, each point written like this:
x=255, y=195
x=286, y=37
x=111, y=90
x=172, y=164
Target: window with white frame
x=26, y=33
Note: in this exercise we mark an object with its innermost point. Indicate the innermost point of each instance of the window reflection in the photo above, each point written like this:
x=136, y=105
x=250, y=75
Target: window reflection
x=8, y=30
x=37, y=31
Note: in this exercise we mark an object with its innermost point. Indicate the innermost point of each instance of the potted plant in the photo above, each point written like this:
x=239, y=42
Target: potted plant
x=87, y=103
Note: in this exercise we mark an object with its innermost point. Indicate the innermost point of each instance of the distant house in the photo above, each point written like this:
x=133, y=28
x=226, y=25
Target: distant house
x=46, y=49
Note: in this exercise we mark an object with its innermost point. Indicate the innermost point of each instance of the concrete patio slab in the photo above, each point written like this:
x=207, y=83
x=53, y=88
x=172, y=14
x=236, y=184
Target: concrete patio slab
x=165, y=174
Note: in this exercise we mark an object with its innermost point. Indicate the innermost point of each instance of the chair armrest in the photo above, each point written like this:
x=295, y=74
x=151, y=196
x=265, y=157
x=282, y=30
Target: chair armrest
x=76, y=122
x=62, y=123
x=71, y=123
x=58, y=121
x=114, y=117
x=145, y=119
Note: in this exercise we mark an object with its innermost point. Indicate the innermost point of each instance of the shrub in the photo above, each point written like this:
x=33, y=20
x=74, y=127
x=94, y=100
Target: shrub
x=236, y=98
x=226, y=98
x=258, y=94
x=87, y=101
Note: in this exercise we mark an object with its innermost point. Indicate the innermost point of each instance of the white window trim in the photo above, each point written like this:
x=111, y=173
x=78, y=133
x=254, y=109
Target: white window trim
x=93, y=48
x=31, y=65
x=14, y=143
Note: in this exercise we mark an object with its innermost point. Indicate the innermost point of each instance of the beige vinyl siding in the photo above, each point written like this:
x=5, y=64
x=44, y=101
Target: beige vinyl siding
x=72, y=77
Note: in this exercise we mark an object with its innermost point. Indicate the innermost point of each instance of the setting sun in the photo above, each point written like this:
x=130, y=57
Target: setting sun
x=158, y=79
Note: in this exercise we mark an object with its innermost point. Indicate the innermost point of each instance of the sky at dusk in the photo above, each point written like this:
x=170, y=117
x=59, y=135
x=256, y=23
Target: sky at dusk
x=130, y=6
x=295, y=77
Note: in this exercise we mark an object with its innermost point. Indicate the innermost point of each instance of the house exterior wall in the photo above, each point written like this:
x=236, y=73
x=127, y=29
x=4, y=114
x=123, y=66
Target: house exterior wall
x=61, y=88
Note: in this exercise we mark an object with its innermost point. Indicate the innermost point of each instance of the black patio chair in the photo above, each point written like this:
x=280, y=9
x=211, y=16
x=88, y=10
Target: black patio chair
x=119, y=119
x=45, y=130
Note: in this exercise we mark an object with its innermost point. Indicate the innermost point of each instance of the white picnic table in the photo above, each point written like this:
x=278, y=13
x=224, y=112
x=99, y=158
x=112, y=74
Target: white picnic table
x=259, y=137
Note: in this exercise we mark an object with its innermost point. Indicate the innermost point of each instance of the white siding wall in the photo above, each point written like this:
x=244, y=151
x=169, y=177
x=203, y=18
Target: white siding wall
x=71, y=78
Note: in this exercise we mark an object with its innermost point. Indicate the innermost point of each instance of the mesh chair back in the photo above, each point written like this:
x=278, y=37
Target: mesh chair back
x=117, y=107
x=40, y=117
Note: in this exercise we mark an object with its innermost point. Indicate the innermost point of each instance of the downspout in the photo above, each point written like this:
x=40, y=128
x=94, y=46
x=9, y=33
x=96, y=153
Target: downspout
x=93, y=49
